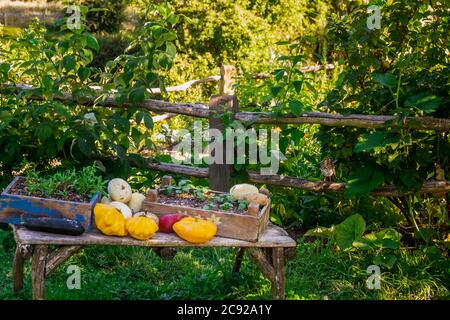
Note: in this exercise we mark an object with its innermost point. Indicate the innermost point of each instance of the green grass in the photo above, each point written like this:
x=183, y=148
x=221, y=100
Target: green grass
x=316, y=272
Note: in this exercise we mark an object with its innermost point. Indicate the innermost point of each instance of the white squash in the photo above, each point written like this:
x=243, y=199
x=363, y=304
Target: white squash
x=119, y=190
x=136, y=201
x=239, y=191
x=106, y=200
x=149, y=215
x=123, y=208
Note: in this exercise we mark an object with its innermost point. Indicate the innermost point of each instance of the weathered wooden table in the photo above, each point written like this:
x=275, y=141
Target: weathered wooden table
x=269, y=253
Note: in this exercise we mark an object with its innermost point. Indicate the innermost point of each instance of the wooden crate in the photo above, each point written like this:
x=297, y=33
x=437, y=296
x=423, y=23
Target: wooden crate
x=12, y=207
x=247, y=226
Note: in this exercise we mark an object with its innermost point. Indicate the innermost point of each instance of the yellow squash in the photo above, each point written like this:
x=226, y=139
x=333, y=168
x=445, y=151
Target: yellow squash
x=195, y=230
x=142, y=227
x=109, y=220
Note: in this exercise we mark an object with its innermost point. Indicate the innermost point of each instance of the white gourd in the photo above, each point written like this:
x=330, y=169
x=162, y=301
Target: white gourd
x=239, y=191
x=123, y=208
x=119, y=190
x=136, y=201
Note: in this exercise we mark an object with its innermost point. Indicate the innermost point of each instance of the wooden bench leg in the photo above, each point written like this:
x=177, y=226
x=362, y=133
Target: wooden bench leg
x=22, y=253
x=272, y=266
x=279, y=269
x=238, y=260
x=38, y=264
x=58, y=256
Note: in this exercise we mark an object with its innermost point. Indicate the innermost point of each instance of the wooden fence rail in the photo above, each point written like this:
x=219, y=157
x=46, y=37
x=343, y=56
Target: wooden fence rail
x=199, y=110
x=220, y=175
x=432, y=187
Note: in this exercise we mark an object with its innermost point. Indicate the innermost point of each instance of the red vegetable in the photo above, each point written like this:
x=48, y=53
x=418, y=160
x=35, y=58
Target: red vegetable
x=167, y=221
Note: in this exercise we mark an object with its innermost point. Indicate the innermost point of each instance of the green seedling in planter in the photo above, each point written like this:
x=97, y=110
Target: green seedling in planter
x=83, y=182
x=222, y=201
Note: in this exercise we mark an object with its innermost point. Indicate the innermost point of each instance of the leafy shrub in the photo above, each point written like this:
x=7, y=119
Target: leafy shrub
x=104, y=15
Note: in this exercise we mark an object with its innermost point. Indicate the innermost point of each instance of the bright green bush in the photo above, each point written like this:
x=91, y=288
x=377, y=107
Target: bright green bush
x=104, y=15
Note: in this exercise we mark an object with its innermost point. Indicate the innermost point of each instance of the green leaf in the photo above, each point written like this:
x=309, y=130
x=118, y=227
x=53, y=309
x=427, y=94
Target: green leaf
x=426, y=103
x=44, y=131
x=321, y=232
x=386, y=260
x=4, y=67
x=148, y=120
x=83, y=73
x=296, y=107
x=170, y=36
x=171, y=50
x=275, y=90
x=297, y=85
x=363, y=181
x=47, y=82
x=279, y=73
x=369, y=141
x=349, y=230
x=165, y=61
x=92, y=42
x=385, y=79
x=137, y=95
x=311, y=87
x=69, y=63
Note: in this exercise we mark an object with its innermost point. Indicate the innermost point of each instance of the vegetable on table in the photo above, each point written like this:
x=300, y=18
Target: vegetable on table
x=123, y=208
x=141, y=228
x=258, y=198
x=109, y=220
x=152, y=216
x=53, y=225
x=166, y=221
x=195, y=230
x=135, y=204
x=119, y=190
x=239, y=191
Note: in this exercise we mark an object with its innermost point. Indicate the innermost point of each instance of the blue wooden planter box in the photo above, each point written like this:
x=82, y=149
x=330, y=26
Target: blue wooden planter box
x=13, y=206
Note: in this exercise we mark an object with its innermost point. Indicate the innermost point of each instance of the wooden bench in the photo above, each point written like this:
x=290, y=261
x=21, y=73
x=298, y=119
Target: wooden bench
x=269, y=253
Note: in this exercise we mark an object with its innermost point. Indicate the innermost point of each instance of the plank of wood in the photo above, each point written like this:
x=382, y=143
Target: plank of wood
x=12, y=207
x=38, y=262
x=279, y=268
x=238, y=260
x=175, y=168
x=351, y=120
x=258, y=256
x=227, y=75
x=233, y=225
x=263, y=220
x=305, y=69
x=18, y=263
x=198, y=110
x=58, y=256
x=273, y=237
x=434, y=186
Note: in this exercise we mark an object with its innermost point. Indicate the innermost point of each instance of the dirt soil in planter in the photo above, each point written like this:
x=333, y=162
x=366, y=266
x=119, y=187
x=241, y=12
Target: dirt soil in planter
x=20, y=188
x=188, y=200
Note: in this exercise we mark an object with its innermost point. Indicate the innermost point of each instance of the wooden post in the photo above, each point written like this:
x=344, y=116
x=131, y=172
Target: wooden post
x=38, y=263
x=238, y=260
x=21, y=254
x=278, y=267
x=220, y=173
x=58, y=256
x=227, y=75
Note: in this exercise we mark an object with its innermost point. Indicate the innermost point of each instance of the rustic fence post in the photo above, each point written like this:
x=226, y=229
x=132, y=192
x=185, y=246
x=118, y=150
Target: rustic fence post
x=227, y=74
x=220, y=173
x=224, y=102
